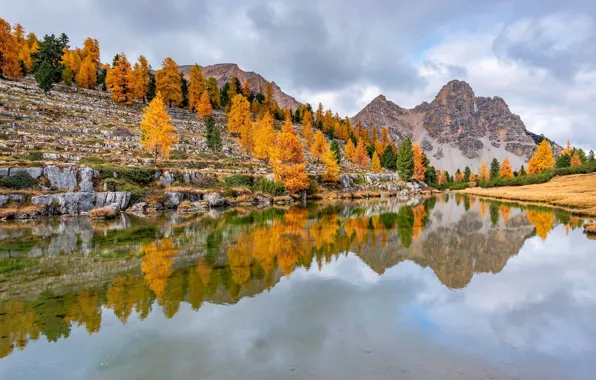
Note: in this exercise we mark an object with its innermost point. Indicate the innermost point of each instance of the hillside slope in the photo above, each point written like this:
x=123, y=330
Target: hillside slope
x=457, y=128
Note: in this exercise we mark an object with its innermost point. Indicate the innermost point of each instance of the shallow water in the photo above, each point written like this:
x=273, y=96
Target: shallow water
x=442, y=288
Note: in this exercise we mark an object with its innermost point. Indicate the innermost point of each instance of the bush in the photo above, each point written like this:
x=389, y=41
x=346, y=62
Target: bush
x=91, y=161
x=269, y=187
x=19, y=181
x=102, y=213
x=239, y=180
x=34, y=156
x=453, y=186
x=133, y=174
x=116, y=184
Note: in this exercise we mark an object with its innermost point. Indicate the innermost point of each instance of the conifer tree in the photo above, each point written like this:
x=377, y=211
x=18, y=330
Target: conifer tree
x=196, y=87
x=567, y=150
x=9, y=59
x=506, y=171
x=591, y=157
x=467, y=173
x=522, y=171
x=307, y=131
x=91, y=51
x=141, y=79
x=87, y=75
x=375, y=164
x=264, y=136
x=184, y=88
x=483, y=172
x=575, y=160
x=349, y=150
x=318, y=147
x=542, y=159
x=459, y=176
x=360, y=156
x=152, y=90
x=388, y=159
x=495, y=168
x=204, y=107
x=287, y=157
x=405, y=160
x=120, y=81
x=44, y=76
x=212, y=134
x=331, y=173
x=239, y=122
x=288, y=126
x=168, y=82
x=336, y=151
x=246, y=89
x=157, y=133
x=213, y=90
x=419, y=164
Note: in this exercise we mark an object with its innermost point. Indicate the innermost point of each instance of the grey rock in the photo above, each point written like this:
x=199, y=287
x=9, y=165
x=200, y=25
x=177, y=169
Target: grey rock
x=121, y=198
x=33, y=172
x=194, y=207
x=3, y=172
x=216, y=200
x=76, y=202
x=86, y=176
x=137, y=208
x=3, y=200
x=346, y=181
x=65, y=179
x=166, y=179
x=173, y=198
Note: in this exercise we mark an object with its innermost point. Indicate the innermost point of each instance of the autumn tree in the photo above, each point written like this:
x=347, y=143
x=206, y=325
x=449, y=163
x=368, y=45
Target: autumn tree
x=567, y=150
x=157, y=133
x=239, y=122
x=141, y=79
x=264, y=136
x=542, y=159
x=459, y=176
x=196, y=87
x=318, y=147
x=288, y=126
x=331, y=173
x=287, y=157
x=360, y=156
x=120, y=81
x=212, y=134
x=483, y=172
x=419, y=164
x=575, y=160
x=405, y=160
x=307, y=130
x=87, y=75
x=204, y=107
x=91, y=51
x=375, y=164
x=213, y=90
x=506, y=171
x=9, y=60
x=168, y=82
x=349, y=150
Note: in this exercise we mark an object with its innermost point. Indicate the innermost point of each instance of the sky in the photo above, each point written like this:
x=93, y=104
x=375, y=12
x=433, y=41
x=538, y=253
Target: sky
x=539, y=55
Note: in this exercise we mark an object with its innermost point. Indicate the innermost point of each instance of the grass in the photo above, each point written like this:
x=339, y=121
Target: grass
x=10, y=265
x=577, y=192
x=102, y=213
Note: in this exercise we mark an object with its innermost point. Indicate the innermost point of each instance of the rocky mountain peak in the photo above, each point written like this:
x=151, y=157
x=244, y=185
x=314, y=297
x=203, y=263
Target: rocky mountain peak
x=457, y=95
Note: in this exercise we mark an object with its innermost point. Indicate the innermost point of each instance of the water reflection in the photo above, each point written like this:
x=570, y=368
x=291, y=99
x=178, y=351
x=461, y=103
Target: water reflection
x=132, y=265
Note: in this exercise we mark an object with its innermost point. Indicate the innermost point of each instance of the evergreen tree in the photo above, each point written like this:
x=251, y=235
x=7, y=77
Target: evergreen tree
x=467, y=174
x=430, y=177
x=448, y=178
x=405, y=160
x=494, y=214
x=44, y=75
x=405, y=224
x=563, y=161
x=522, y=171
x=388, y=159
x=336, y=151
x=581, y=154
x=591, y=157
x=184, y=87
x=152, y=89
x=50, y=53
x=212, y=134
x=495, y=168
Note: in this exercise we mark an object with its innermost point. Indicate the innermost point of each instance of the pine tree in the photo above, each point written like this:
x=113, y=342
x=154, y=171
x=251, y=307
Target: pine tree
x=264, y=136
x=152, y=90
x=157, y=134
x=542, y=159
x=204, y=107
x=431, y=175
x=212, y=135
x=318, y=147
x=419, y=165
x=483, y=172
x=405, y=160
x=522, y=171
x=120, y=81
x=375, y=164
x=349, y=150
x=506, y=171
x=168, y=82
x=467, y=173
x=336, y=151
x=196, y=88
x=495, y=168
x=44, y=76
x=360, y=156
x=87, y=76
x=141, y=79
x=307, y=131
x=388, y=159
x=213, y=90
x=576, y=160
x=50, y=51
x=9, y=50
x=591, y=157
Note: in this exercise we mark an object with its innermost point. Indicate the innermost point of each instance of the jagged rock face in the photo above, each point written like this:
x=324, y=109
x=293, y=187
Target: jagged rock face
x=457, y=128
x=222, y=72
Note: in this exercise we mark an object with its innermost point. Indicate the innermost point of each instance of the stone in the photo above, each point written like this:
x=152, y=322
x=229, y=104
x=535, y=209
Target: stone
x=86, y=175
x=193, y=207
x=173, y=198
x=283, y=199
x=345, y=181
x=137, y=208
x=3, y=172
x=35, y=173
x=3, y=200
x=77, y=202
x=216, y=200
x=166, y=179
x=65, y=179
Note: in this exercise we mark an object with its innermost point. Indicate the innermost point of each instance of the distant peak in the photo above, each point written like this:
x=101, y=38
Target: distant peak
x=380, y=98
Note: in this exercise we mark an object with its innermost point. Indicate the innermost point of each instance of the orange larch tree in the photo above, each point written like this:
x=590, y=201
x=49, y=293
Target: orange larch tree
x=360, y=156
x=542, y=160
x=506, y=171
x=196, y=87
x=91, y=51
x=264, y=136
x=167, y=81
x=567, y=149
x=349, y=151
x=419, y=167
x=375, y=164
x=575, y=160
x=288, y=126
x=87, y=75
x=157, y=133
x=246, y=89
x=141, y=78
x=204, y=106
x=317, y=148
x=331, y=173
x=483, y=172
x=120, y=81
x=307, y=131
x=287, y=157
x=9, y=59
x=239, y=122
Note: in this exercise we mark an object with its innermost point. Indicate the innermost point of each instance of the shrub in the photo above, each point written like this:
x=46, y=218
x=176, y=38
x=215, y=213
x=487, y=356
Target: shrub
x=116, y=184
x=19, y=181
x=34, y=156
x=269, y=187
x=239, y=180
x=102, y=213
x=91, y=161
x=178, y=155
x=131, y=173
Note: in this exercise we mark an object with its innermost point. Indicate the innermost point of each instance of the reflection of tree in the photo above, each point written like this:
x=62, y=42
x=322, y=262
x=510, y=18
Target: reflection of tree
x=542, y=221
x=156, y=264
x=419, y=212
x=505, y=211
x=405, y=223
x=494, y=214
x=86, y=310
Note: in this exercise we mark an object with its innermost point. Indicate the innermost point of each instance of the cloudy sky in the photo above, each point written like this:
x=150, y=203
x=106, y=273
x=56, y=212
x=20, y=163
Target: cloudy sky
x=539, y=55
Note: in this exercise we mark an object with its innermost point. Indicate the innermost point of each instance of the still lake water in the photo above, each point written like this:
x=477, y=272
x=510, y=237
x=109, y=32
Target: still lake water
x=442, y=288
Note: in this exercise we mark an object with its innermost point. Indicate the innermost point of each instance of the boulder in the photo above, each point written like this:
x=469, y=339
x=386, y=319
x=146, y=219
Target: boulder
x=345, y=181
x=65, y=179
x=137, y=208
x=193, y=207
x=3, y=200
x=284, y=199
x=263, y=200
x=121, y=198
x=3, y=172
x=173, y=198
x=77, y=202
x=86, y=176
x=166, y=178
x=216, y=200
x=35, y=173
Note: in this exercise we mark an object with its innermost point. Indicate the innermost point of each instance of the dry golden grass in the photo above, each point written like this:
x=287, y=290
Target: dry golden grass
x=590, y=228
x=577, y=192
x=102, y=213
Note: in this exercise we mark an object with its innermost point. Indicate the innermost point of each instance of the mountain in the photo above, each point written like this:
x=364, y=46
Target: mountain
x=223, y=71
x=457, y=128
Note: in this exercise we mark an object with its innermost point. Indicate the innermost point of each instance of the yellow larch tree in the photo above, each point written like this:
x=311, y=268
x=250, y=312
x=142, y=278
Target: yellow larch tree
x=167, y=81
x=375, y=164
x=239, y=122
x=288, y=126
x=542, y=221
x=459, y=176
x=317, y=148
x=9, y=59
x=360, y=156
x=72, y=60
x=441, y=177
x=307, y=131
x=575, y=160
x=91, y=51
x=379, y=147
x=204, y=106
x=141, y=78
x=196, y=87
x=483, y=172
x=331, y=173
x=287, y=157
x=264, y=136
x=419, y=167
x=349, y=151
x=542, y=160
x=157, y=133
x=246, y=89
x=87, y=75
x=385, y=136
x=120, y=80
x=567, y=149
x=506, y=171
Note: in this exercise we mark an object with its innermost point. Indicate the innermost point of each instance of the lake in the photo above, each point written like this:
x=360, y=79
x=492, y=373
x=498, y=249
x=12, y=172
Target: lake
x=448, y=287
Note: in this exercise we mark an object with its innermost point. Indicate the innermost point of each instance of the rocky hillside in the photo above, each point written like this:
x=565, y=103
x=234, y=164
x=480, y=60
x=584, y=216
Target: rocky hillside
x=457, y=128
x=222, y=72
